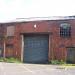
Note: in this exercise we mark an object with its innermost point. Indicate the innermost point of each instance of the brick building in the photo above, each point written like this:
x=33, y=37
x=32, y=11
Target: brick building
x=38, y=40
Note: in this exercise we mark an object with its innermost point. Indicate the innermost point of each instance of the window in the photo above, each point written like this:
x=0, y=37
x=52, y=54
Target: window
x=65, y=30
x=10, y=31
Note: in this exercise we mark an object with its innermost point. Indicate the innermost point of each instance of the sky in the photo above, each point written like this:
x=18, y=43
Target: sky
x=12, y=9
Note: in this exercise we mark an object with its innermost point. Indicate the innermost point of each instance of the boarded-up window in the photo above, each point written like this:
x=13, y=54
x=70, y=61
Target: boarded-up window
x=71, y=55
x=9, y=49
x=10, y=30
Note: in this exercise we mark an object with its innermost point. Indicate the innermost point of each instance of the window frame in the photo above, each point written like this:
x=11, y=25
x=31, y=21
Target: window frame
x=65, y=32
x=10, y=31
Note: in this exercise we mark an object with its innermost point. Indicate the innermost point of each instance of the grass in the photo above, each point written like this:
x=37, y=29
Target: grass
x=57, y=62
x=53, y=62
x=1, y=59
x=10, y=60
x=68, y=65
x=62, y=64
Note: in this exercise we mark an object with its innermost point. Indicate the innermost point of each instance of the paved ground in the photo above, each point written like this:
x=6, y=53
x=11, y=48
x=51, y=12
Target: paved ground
x=33, y=69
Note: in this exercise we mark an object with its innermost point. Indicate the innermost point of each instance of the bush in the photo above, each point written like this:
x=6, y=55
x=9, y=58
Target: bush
x=55, y=62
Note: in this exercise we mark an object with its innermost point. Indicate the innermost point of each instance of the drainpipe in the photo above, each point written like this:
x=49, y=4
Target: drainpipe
x=22, y=47
x=4, y=50
x=4, y=53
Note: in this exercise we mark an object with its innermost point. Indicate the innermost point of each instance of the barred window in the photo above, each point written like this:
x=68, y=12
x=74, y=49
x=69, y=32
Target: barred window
x=65, y=30
x=10, y=31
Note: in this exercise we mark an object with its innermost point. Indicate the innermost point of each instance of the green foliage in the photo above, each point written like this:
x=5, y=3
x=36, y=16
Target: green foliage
x=55, y=62
x=10, y=60
x=1, y=59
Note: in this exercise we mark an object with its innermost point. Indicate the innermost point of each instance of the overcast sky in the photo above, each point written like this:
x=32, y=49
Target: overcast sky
x=11, y=9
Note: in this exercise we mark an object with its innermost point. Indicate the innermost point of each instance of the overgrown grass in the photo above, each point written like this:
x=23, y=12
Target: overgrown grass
x=10, y=60
x=62, y=63
x=55, y=62
x=1, y=59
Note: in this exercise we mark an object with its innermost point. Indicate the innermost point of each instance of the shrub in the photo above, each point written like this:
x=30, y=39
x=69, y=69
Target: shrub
x=55, y=62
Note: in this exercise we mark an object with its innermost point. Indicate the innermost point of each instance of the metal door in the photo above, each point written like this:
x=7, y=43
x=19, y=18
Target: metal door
x=36, y=49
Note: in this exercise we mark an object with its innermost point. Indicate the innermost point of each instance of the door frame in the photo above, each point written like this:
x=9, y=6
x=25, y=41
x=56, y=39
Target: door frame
x=49, y=44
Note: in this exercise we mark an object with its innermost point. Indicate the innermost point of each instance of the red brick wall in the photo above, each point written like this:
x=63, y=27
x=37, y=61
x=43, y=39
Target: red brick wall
x=57, y=45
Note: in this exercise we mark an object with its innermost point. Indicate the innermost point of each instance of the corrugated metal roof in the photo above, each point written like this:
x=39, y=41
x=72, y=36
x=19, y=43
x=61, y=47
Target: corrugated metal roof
x=41, y=18
x=45, y=18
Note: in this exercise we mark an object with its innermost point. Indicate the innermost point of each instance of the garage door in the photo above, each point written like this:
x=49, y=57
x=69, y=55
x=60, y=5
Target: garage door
x=36, y=49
